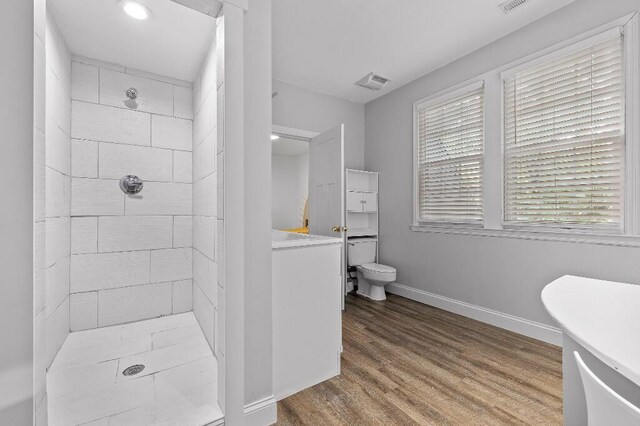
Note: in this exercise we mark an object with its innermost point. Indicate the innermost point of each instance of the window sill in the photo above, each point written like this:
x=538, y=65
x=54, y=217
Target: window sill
x=558, y=236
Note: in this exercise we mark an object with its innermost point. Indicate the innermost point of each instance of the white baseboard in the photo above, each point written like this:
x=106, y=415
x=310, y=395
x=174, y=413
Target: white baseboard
x=261, y=413
x=519, y=325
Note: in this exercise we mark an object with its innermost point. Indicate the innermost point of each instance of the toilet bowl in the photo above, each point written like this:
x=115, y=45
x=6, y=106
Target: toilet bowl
x=372, y=277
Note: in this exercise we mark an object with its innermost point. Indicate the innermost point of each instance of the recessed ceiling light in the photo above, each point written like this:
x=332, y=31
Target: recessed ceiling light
x=135, y=9
x=274, y=137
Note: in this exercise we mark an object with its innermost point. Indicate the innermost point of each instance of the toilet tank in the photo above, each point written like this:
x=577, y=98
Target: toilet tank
x=361, y=251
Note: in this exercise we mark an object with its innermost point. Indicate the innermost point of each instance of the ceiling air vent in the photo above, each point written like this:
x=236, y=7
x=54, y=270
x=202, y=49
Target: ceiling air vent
x=373, y=82
x=509, y=6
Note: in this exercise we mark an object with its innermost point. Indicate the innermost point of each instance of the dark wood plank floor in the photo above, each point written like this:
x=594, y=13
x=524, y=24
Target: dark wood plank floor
x=405, y=363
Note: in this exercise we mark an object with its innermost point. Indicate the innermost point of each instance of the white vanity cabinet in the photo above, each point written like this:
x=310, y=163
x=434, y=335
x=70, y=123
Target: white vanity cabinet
x=307, y=310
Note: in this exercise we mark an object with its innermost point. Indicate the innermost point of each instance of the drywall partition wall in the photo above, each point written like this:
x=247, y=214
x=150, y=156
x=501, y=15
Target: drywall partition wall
x=305, y=109
x=20, y=133
x=40, y=355
x=498, y=274
x=259, y=402
x=131, y=256
x=221, y=323
x=206, y=291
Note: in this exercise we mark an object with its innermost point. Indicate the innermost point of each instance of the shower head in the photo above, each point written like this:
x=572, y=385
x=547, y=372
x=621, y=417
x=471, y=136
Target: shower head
x=208, y=7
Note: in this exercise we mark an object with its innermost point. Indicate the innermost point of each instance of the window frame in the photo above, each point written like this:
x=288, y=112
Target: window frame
x=559, y=53
x=493, y=154
x=432, y=100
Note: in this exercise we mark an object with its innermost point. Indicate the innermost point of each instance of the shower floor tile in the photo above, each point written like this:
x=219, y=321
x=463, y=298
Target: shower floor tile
x=178, y=385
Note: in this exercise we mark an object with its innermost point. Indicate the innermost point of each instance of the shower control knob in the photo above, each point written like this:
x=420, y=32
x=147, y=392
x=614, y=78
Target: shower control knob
x=131, y=184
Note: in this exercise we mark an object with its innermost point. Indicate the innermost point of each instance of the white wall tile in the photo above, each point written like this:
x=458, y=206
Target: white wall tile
x=93, y=197
x=220, y=121
x=220, y=54
x=39, y=266
x=108, y=270
x=220, y=321
x=158, y=77
x=58, y=148
x=39, y=85
x=58, y=193
x=182, y=231
x=201, y=124
x=220, y=184
x=57, y=330
x=220, y=251
x=182, y=296
x=209, y=72
x=84, y=235
x=84, y=158
x=205, y=314
x=169, y=132
x=57, y=245
x=84, y=82
x=182, y=166
x=204, y=238
x=161, y=199
x=128, y=233
x=204, y=157
x=134, y=303
x=83, y=311
x=153, y=96
x=58, y=101
x=204, y=196
x=183, y=102
x=171, y=265
x=150, y=164
x=205, y=273
x=57, y=285
x=109, y=124
x=213, y=110
x=98, y=63
x=196, y=93
x=39, y=176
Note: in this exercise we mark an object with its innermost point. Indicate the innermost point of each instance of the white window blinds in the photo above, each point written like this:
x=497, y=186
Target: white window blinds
x=564, y=140
x=449, y=149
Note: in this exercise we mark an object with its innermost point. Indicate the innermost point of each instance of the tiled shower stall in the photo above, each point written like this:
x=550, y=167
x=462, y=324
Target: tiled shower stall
x=105, y=258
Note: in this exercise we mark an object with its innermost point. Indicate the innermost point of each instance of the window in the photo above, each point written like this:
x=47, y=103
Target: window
x=449, y=145
x=564, y=139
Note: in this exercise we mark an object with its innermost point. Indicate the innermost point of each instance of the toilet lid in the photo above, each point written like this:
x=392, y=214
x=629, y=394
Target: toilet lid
x=377, y=267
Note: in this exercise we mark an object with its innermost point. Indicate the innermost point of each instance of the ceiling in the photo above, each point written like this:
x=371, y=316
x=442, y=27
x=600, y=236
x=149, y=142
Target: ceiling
x=327, y=45
x=289, y=147
x=172, y=42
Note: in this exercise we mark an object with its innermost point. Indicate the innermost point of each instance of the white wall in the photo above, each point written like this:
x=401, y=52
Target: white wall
x=131, y=256
x=20, y=134
x=502, y=274
x=206, y=291
x=305, y=109
x=57, y=174
x=290, y=187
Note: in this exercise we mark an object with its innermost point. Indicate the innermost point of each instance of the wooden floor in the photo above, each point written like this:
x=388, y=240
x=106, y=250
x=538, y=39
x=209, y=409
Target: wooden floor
x=405, y=363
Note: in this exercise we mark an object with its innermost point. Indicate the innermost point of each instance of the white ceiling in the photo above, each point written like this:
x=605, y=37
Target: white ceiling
x=289, y=147
x=327, y=45
x=172, y=42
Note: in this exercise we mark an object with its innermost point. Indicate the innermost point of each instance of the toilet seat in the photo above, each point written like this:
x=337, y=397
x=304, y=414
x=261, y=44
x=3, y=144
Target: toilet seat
x=377, y=267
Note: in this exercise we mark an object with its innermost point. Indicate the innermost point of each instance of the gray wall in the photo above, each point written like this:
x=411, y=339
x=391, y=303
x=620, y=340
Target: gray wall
x=503, y=274
x=16, y=211
x=308, y=110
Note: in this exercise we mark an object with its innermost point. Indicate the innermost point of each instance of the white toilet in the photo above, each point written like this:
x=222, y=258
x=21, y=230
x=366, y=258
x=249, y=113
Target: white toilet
x=372, y=277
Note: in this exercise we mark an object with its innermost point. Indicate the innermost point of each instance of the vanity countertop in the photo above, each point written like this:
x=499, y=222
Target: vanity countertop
x=602, y=316
x=282, y=239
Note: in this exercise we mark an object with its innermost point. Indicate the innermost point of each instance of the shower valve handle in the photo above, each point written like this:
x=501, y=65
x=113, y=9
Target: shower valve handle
x=131, y=184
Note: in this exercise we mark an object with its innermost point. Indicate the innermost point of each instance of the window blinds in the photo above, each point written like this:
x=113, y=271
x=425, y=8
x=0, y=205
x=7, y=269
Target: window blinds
x=564, y=140
x=450, y=142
